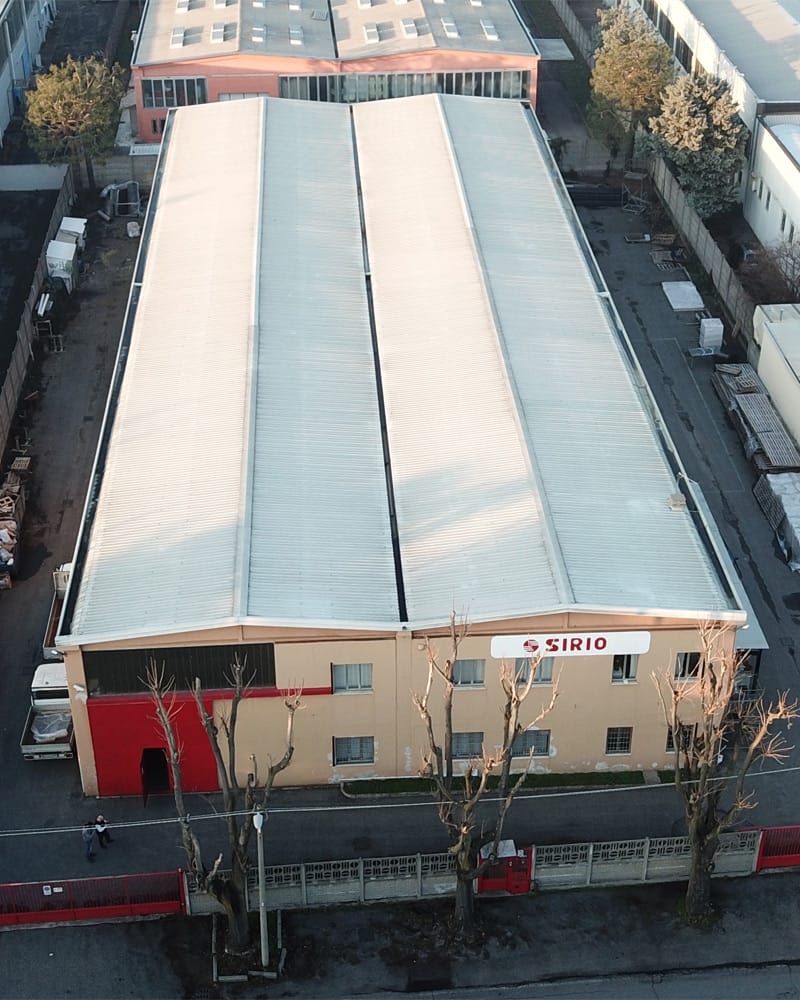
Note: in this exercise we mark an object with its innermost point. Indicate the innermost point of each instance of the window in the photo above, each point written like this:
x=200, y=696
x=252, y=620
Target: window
x=686, y=733
x=466, y=745
x=783, y=222
x=544, y=671
x=623, y=668
x=353, y=750
x=686, y=665
x=469, y=673
x=768, y=200
x=760, y=189
x=618, y=739
x=536, y=741
x=790, y=237
x=352, y=676
x=169, y=93
x=683, y=53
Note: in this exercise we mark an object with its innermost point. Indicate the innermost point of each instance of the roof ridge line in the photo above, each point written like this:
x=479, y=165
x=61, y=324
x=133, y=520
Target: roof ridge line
x=557, y=562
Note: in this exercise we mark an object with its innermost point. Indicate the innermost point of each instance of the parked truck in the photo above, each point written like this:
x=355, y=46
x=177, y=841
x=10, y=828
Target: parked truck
x=48, y=731
x=60, y=582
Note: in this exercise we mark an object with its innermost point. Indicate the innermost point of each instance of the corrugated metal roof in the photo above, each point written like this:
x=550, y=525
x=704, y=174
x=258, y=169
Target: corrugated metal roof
x=245, y=481
x=244, y=476
x=273, y=19
x=477, y=271
x=760, y=37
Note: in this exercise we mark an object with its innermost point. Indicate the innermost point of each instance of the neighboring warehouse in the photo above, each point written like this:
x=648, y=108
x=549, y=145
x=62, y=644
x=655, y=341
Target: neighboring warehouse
x=370, y=373
x=189, y=52
x=755, y=46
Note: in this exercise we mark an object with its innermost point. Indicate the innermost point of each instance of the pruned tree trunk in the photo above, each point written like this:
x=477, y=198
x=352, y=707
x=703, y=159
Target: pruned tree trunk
x=232, y=894
x=698, y=891
x=464, y=913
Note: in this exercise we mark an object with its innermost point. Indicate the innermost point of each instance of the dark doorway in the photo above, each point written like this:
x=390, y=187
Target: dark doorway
x=155, y=772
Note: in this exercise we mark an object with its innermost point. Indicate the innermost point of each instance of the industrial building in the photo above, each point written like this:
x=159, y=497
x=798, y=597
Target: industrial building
x=371, y=374
x=349, y=51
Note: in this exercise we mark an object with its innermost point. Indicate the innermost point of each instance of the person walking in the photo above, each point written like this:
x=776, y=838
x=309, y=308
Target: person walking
x=88, y=839
x=101, y=827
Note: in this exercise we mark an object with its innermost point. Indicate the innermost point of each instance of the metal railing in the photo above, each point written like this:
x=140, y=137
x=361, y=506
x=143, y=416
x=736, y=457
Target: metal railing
x=422, y=876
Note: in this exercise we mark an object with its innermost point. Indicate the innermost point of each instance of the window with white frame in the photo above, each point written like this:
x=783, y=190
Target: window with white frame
x=535, y=742
x=623, y=668
x=353, y=750
x=351, y=677
x=542, y=675
x=467, y=745
x=619, y=739
x=469, y=673
x=686, y=666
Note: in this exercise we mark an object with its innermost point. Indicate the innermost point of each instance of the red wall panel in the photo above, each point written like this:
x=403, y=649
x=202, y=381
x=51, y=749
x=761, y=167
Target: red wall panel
x=124, y=726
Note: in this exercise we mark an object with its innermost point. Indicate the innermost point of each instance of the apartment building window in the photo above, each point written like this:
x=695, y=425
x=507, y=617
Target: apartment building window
x=351, y=677
x=790, y=237
x=760, y=188
x=469, y=673
x=783, y=222
x=619, y=739
x=623, y=668
x=650, y=9
x=686, y=733
x=354, y=750
x=542, y=675
x=467, y=745
x=157, y=125
x=534, y=742
x=686, y=666
x=768, y=200
x=173, y=93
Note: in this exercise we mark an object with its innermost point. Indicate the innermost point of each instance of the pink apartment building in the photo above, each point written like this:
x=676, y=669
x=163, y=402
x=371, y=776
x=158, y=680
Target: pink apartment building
x=341, y=51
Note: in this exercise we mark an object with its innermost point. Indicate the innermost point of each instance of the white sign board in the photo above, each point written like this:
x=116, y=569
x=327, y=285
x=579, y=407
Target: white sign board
x=569, y=644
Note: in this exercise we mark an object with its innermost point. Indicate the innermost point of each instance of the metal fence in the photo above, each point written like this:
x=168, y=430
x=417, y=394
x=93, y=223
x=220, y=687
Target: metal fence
x=91, y=899
x=737, y=302
x=422, y=876
x=579, y=35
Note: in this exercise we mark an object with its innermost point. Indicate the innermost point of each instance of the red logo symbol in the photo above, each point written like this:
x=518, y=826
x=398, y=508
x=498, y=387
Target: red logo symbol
x=531, y=646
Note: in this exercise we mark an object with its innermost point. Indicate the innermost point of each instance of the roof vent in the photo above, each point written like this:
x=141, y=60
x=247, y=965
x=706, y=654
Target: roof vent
x=490, y=31
x=409, y=27
x=450, y=28
x=259, y=3
x=217, y=32
x=676, y=501
x=258, y=33
x=295, y=34
x=182, y=6
x=319, y=15
x=295, y=5
x=371, y=34
x=176, y=39
x=476, y=3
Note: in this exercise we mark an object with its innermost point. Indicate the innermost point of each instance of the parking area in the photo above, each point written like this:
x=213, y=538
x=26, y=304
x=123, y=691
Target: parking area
x=709, y=447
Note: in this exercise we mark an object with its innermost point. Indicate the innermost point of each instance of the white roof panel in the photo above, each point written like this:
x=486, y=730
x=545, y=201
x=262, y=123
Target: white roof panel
x=760, y=37
x=525, y=403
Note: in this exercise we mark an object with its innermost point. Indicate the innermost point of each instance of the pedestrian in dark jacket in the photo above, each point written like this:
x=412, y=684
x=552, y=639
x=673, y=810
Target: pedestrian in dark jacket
x=103, y=836
x=88, y=839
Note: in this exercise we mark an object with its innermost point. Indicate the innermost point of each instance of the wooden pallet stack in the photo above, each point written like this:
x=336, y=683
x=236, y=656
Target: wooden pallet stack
x=13, y=499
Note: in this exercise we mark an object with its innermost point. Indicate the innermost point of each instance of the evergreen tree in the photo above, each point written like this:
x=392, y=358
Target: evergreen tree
x=73, y=112
x=700, y=134
x=632, y=69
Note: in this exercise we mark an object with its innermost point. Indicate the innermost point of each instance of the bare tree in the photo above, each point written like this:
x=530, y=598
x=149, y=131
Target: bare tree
x=719, y=731
x=783, y=260
x=240, y=800
x=459, y=795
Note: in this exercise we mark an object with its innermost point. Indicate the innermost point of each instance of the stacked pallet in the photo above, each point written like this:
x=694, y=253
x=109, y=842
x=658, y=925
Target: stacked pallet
x=767, y=443
x=12, y=511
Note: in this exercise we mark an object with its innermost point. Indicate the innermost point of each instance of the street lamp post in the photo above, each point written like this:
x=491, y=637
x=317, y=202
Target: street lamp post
x=258, y=823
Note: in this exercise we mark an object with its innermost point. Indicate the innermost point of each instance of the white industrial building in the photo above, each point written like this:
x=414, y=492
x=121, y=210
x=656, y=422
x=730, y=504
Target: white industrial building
x=755, y=46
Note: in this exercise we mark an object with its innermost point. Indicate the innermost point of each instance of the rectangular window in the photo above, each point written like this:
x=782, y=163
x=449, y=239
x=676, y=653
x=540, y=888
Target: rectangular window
x=532, y=741
x=686, y=665
x=469, y=673
x=783, y=222
x=173, y=93
x=790, y=237
x=618, y=739
x=683, y=53
x=768, y=200
x=623, y=668
x=467, y=745
x=353, y=750
x=760, y=189
x=686, y=733
x=351, y=676
x=543, y=674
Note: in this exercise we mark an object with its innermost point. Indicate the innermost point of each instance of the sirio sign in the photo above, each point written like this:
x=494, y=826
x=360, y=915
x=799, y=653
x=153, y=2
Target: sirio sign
x=570, y=644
